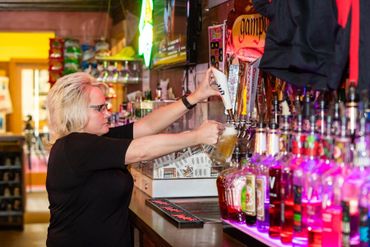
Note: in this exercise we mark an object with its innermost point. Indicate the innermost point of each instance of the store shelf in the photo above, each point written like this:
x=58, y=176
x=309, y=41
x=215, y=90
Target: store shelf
x=10, y=167
x=11, y=182
x=10, y=197
x=254, y=233
x=11, y=213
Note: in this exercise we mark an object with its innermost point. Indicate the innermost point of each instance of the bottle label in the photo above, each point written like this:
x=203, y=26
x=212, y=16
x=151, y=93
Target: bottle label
x=250, y=195
x=364, y=225
x=274, y=183
x=297, y=217
x=352, y=115
x=346, y=228
x=284, y=144
x=327, y=220
x=236, y=188
x=273, y=143
x=228, y=196
x=326, y=148
x=298, y=144
x=342, y=151
x=260, y=189
x=311, y=145
x=335, y=128
x=243, y=199
x=282, y=216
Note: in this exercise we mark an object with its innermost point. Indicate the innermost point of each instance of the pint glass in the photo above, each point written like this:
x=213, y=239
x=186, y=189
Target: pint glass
x=224, y=148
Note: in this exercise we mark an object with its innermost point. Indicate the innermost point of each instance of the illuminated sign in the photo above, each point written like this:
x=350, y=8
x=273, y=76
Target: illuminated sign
x=146, y=31
x=249, y=31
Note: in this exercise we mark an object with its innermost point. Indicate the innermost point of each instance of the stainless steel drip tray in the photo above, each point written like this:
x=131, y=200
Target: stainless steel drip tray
x=205, y=208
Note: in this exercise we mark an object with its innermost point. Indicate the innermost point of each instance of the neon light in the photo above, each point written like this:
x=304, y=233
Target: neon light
x=146, y=31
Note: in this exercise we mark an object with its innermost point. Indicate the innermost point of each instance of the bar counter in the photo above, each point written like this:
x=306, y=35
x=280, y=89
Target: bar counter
x=155, y=230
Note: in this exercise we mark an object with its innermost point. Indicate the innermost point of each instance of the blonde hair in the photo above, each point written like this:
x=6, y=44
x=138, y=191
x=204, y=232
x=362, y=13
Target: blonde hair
x=67, y=103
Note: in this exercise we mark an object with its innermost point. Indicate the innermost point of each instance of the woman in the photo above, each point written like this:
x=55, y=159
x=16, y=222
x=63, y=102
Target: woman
x=88, y=184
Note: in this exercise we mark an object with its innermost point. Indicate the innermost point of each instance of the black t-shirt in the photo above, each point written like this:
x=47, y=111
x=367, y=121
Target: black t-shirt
x=89, y=189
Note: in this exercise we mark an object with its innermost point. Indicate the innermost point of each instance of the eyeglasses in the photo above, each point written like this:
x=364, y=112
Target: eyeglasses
x=99, y=108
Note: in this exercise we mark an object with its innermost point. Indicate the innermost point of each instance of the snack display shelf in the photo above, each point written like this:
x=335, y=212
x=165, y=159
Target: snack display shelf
x=253, y=232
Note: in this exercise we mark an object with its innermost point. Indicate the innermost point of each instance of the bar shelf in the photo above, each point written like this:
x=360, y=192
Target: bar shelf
x=254, y=233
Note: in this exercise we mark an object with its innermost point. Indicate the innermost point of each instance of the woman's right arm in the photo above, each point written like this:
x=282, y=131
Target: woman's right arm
x=153, y=146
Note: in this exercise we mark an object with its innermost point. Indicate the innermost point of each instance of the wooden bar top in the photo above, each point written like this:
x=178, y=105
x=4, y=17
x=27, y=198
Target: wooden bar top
x=163, y=233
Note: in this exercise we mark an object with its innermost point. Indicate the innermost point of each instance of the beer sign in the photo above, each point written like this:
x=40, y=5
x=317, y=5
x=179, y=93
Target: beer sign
x=249, y=32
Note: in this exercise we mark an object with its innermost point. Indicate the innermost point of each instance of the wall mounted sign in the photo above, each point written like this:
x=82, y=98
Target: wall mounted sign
x=146, y=31
x=249, y=33
x=216, y=46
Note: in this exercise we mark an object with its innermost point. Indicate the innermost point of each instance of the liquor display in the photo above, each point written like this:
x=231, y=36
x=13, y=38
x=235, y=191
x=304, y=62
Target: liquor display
x=311, y=187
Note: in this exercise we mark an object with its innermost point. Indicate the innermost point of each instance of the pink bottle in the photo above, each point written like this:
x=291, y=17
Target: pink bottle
x=262, y=179
x=287, y=190
x=306, y=202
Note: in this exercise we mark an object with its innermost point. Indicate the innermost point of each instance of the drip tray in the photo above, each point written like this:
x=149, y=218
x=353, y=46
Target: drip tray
x=187, y=213
x=205, y=208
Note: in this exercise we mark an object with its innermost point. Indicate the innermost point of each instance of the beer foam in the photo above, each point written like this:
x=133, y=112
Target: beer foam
x=229, y=131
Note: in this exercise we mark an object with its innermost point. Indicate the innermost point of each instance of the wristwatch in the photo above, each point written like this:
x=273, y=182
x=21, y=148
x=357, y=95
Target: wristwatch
x=186, y=102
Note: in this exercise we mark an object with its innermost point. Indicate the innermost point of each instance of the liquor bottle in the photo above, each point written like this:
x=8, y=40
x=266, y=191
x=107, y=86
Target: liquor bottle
x=287, y=192
x=331, y=209
x=275, y=108
x=351, y=110
x=305, y=203
x=235, y=194
x=351, y=190
x=221, y=184
x=365, y=213
x=307, y=112
x=320, y=122
x=336, y=119
x=235, y=182
x=333, y=181
x=262, y=179
x=275, y=210
x=259, y=152
x=315, y=185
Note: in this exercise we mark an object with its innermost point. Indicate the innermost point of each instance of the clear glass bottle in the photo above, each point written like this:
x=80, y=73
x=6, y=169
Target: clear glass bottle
x=262, y=179
x=276, y=205
x=221, y=187
x=287, y=190
x=306, y=203
x=351, y=190
x=259, y=154
x=365, y=213
x=352, y=110
x=330, y=207
x=235, y=190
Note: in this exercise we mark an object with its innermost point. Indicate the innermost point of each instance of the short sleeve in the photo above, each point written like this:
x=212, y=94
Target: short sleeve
x=88, y=153
x=124, y=131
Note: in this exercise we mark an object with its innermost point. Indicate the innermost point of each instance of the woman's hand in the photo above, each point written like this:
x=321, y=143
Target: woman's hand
x=204, y=89
x=208, y=132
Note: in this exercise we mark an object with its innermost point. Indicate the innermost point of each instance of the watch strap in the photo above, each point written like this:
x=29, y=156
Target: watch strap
x=187, y=103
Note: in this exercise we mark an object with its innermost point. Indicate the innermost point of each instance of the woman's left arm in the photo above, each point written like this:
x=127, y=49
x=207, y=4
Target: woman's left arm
x=161, y=118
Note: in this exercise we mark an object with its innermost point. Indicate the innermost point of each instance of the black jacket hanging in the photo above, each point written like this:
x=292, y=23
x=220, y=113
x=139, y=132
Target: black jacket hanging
x=300, y=40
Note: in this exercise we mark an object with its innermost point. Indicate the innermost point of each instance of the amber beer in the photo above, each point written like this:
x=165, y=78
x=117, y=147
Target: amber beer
x=225, y=146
